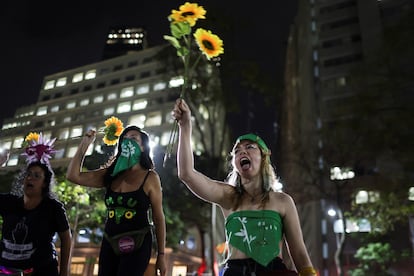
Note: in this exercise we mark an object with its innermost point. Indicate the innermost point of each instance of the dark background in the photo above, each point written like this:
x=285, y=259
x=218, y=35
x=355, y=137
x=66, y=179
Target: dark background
x=40, y=38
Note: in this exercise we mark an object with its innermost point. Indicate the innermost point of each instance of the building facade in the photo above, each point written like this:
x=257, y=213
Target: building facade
x=330, y=41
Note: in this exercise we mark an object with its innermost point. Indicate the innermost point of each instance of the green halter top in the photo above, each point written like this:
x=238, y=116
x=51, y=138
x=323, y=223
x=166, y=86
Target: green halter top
x=257, y=233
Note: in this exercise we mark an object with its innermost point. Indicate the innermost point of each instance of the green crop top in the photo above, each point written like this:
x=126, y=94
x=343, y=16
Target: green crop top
x=257, y=233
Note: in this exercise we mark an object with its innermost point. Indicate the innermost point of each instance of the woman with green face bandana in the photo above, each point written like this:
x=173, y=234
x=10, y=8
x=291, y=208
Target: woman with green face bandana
x=132, y=187
x=257, y=217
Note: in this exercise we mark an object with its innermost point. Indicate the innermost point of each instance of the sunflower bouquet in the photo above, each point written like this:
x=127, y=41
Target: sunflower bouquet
x=112, y=131
x=210, y=45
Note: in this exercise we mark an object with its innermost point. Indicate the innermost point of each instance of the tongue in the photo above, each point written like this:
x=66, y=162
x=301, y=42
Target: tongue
x=245, y=165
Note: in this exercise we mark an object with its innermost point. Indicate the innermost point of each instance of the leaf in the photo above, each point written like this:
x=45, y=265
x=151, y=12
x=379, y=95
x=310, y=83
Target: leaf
x=174, y=42
x=183, y=51
x=180, y=29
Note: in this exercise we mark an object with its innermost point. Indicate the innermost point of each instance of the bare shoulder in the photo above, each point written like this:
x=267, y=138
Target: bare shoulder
x=280, y=202
x=280, y=196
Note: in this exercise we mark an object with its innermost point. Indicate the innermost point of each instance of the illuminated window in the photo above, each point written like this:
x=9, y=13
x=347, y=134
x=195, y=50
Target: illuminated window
x=47, y=135
x=76, y=131
x=361, y=197
x=169, y=118
x=59, y=154
x=176, y=82
x=71, y=151
x=142, y=89
x=77, y=77
x=64, y=134
x=338, y=173
x=6, y=144
x=366, y=196
x=341, y=81
x=61, y=82
x=13, y=160
x=139, y=104
x=109, y=111
x=91, y=74
x=71, y=105
x=159, y=86
x=165, y=138
x=67, y=119
x=98, y=99
x=17, y=144
x=124, y=107
x=54, y=108
x=84, y=102
x=127, y=92
x=411, y=194
x=49, y=85
x=112, y=96
x=42, y=110
x=153, y=119
x=137, y=120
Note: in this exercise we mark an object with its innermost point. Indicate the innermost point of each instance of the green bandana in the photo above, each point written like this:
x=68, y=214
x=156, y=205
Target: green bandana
x=130, y=155
x=254, y=138
x=257, y=233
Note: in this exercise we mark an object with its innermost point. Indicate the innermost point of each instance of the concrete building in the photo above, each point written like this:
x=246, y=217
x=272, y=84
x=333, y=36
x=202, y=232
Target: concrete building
x=328, y=42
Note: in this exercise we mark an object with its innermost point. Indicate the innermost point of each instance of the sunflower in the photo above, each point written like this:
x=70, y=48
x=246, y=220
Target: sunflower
x=189, y=12
x=32, y=136
x=210, y=44
x=113, y=129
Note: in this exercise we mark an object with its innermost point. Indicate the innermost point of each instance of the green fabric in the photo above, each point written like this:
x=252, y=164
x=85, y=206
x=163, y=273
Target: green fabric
x=254, y=138
x=130, y=155
x=257, y=233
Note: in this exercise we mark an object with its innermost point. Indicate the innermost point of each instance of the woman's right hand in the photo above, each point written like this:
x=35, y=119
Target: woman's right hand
x=181, y=112
x=89, y=137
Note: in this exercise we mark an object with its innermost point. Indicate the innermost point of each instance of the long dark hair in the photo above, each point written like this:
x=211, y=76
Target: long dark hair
x=49, y=180
x=145, y=160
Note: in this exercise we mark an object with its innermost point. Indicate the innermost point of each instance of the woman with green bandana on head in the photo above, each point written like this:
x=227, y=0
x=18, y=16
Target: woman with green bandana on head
x=132, y=187
x=257, y=218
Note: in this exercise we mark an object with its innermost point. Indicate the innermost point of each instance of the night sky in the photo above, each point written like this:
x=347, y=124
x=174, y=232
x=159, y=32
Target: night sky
x=40, y=38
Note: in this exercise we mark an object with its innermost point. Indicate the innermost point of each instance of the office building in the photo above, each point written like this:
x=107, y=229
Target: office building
x=329, y=42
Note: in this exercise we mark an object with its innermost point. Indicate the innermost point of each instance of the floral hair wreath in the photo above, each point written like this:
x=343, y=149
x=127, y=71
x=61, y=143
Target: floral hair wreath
x=113, y=129
x=38, y=148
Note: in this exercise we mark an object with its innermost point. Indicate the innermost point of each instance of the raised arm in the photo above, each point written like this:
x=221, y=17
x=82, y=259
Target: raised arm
x=201, y=185
x=74, y=172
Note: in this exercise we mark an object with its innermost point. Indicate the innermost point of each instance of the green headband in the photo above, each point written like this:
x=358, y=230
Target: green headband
x=254, y=138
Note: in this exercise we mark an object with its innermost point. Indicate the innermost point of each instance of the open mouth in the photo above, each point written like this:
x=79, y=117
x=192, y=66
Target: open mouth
x=245, y=163
x=29, y=185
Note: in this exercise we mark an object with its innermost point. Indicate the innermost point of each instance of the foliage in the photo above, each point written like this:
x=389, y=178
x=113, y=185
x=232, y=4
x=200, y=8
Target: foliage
x=376, y=259
x=84, y=206
x=384, y=214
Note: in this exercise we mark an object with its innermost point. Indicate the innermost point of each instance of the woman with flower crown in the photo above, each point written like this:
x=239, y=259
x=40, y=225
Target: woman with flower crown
x=32, y=215
x=132, y=187
x=257, y=218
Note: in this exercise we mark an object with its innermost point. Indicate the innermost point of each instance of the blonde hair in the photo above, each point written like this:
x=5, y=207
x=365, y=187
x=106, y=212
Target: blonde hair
x=268, y=179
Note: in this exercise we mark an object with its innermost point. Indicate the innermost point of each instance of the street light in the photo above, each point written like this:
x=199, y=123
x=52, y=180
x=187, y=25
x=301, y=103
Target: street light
x=339, y=174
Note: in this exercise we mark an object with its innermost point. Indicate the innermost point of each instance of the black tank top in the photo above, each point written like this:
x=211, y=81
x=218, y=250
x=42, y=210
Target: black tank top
x=126, y=211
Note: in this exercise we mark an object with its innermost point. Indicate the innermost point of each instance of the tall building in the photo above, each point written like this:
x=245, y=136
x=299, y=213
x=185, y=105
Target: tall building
x=328, y=43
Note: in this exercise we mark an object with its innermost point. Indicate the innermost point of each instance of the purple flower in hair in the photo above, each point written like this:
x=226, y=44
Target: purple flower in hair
x=39, y=149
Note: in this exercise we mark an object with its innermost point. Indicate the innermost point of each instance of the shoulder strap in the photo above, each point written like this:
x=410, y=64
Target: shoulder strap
x=145, y=178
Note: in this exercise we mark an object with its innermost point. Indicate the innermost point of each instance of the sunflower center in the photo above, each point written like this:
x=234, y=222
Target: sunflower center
x=208, y=45
x=186, y=14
